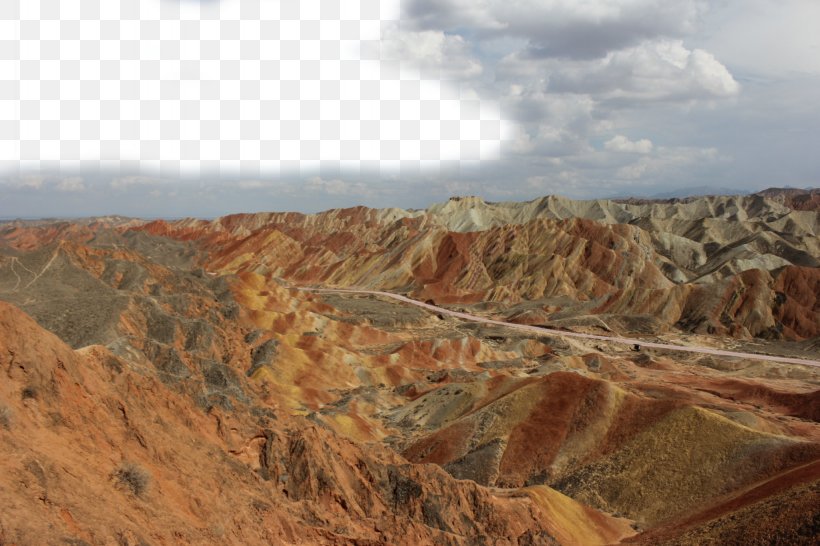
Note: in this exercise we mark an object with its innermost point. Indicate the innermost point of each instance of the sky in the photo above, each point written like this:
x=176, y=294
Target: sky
x=170, y=108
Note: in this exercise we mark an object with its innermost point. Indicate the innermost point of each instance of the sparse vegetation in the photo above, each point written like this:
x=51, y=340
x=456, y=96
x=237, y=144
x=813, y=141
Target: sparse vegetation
x=5, y=417
x=30, y=391
x=133, y=477
x=56, y=418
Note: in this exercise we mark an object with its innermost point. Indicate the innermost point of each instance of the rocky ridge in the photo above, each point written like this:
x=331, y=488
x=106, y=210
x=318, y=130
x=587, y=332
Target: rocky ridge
x=182, y=362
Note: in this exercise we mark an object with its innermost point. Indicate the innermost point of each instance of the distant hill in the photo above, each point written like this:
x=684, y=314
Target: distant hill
x=698, y=191
x=677, y=194
x=794, y=198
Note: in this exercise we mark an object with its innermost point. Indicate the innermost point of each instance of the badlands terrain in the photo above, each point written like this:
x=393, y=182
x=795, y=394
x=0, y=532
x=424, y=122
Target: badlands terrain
x=239, y=381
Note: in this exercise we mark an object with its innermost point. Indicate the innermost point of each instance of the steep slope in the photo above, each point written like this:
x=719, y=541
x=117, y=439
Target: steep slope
x=782, y=510
x=93, y=451
x=647, y=458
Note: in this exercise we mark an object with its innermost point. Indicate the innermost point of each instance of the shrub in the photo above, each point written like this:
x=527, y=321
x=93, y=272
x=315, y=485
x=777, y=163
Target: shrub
x=29, y=391
x=133, y=477
x=5, y=417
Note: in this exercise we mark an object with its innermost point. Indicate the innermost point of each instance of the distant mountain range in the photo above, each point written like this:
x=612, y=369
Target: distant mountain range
x=701, y=191
x=697, y=191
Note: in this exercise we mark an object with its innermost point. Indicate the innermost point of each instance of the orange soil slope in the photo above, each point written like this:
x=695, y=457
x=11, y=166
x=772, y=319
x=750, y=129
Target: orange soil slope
x=73, y=420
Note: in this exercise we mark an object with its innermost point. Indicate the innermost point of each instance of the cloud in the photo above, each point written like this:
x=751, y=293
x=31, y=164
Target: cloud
x=70, y=184
x=436, y=54
x=620, y=143
x=337, y=186
x=652, y=71
x=24, y=182
x=765, y=38
x=560, y=182
x=326, y=122
x=560, y=105
x=550, y=125
x=251, y=184
x=559, y=28
x=123, y=182
x=250, y=87
x=570, y=68
x=667, y=160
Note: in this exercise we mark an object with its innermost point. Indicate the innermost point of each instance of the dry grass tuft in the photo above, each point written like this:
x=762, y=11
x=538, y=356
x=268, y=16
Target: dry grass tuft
x=133, y=477
x=5, y=417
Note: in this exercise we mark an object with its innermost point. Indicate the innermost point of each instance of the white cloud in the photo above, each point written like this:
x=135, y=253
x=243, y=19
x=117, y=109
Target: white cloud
x=653, y=71
x=620, y=143
x=560, y=182
x=763, y=37
x=666, y=161
x=336, y=186
x=123, y=182
x=436, y=54
x=29, y=182
x=71, y=184
x=561, y=104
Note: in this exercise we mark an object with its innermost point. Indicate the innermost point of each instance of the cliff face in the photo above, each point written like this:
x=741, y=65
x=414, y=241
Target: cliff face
x=165, y=382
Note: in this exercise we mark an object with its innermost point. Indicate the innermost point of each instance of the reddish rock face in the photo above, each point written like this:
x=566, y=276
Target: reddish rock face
x=797, y=301
x=165, y=382
x=723, y=278
x=794, y=198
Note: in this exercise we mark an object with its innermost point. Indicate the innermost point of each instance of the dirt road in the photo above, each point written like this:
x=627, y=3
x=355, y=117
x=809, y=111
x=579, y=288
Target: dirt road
x=542, y=330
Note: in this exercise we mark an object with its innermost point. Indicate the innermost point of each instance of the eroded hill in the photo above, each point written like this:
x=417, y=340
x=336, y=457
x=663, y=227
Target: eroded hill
x=746, y=267
x=167, y=382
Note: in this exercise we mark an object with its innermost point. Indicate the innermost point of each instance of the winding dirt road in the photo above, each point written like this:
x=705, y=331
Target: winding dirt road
x=564, y=333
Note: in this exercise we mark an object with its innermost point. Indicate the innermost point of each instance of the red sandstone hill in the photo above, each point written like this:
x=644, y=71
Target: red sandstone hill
x=102, y=453
x=165, y=384
x=723, y=266
x=794, y=198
